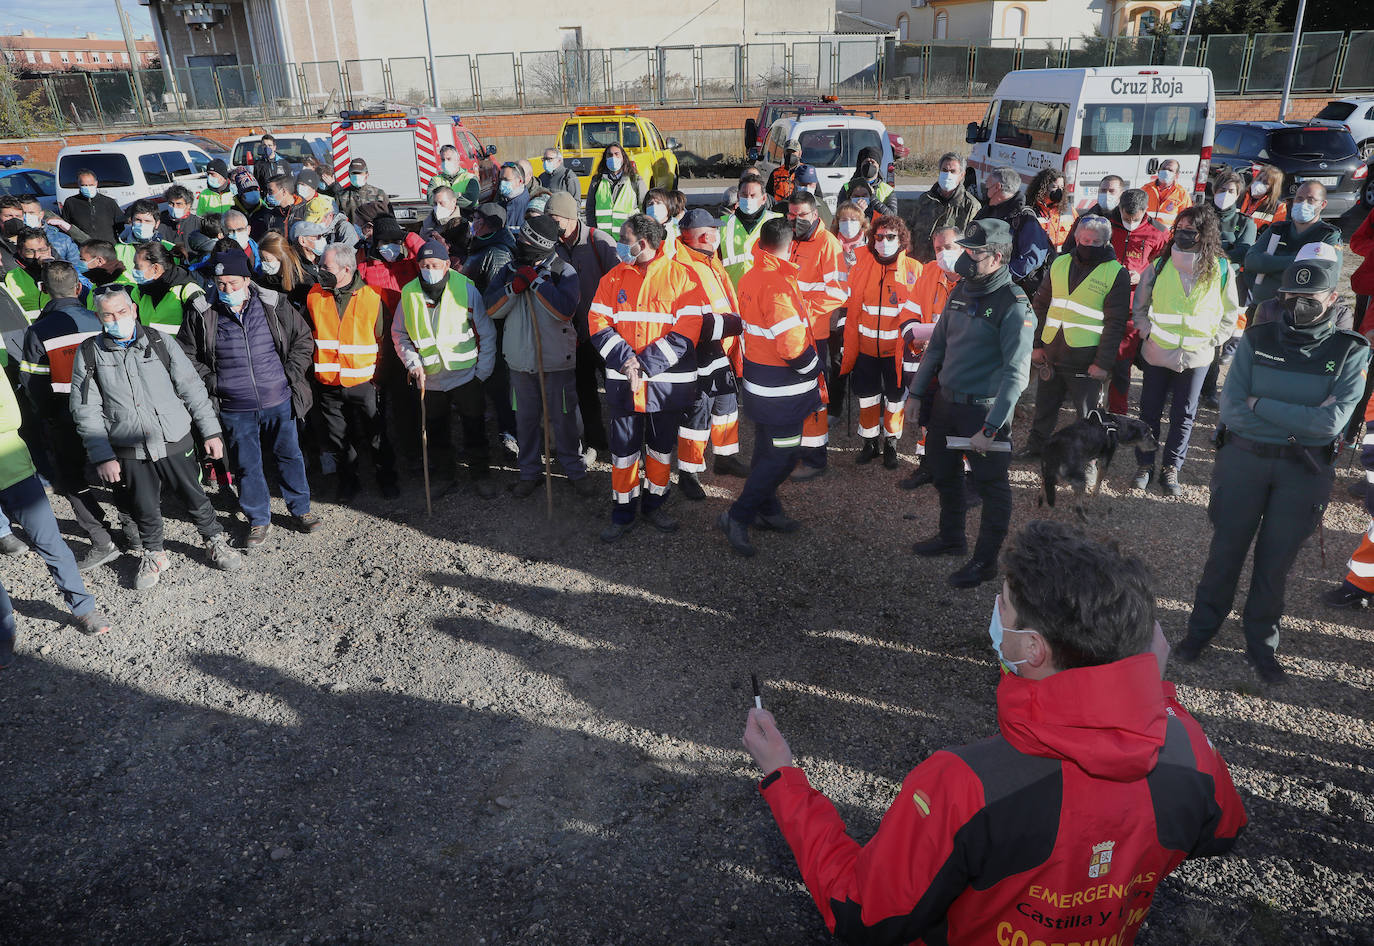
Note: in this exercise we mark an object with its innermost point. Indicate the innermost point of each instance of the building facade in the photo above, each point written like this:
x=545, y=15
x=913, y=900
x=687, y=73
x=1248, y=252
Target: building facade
x=974, y=21
x=29, y=53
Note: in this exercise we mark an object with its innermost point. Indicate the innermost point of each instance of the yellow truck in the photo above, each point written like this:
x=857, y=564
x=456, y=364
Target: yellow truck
x=592, y=128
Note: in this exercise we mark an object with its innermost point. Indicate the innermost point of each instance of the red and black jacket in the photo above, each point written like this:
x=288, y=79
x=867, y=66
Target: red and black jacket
x=1059, y=829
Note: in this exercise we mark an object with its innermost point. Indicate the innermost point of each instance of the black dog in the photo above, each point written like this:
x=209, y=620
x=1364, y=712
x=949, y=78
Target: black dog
x=1070, y=453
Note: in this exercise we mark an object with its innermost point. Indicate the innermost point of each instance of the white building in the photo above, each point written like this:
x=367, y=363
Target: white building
x=975, y=20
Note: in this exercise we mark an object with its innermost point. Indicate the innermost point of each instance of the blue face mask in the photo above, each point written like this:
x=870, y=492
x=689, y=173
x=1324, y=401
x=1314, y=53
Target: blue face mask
x=122, y=329
x=234, y=299
x=142, y=231
x=948, y=180
x=508, y=189
x=625, y=252
x=138, y=276
x=614, y=163
x=271, y=201
x=357, y=180
x=996, y=630
x=87, y=191
x=250, y=198
x=1304, y=212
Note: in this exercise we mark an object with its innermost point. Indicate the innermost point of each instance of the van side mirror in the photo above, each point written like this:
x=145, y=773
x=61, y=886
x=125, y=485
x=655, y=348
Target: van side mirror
x=975, y=133
x=673, y=144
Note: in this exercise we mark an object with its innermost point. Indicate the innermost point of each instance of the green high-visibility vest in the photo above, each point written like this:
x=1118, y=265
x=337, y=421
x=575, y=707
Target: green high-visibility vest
x=458, y=183
x=449, y=342
x=737, y=245
x=882, y=191
x=614, y=205
x=211, y=202
x=1078, y=314
x=24, y=289
x=165, y=315
x=1178, y=321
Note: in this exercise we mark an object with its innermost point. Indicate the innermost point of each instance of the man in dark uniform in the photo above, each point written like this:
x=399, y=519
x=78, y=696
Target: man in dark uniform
x=980, y=353
x=1292, y=387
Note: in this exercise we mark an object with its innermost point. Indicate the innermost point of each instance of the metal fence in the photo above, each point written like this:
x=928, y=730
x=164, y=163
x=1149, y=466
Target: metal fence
x=872, y=68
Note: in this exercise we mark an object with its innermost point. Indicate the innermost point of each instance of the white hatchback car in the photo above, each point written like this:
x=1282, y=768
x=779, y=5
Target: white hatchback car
x=831, y=144
x=132, y=170
x=1357, y=114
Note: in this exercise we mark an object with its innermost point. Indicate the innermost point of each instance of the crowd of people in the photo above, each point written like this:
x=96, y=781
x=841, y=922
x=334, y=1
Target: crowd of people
x=284, y=311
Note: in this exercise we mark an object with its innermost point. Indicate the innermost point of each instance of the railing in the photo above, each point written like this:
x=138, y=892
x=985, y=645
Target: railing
x=870, y=69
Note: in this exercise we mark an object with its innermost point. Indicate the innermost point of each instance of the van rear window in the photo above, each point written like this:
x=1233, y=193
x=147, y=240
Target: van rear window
x=1035, y=125
x=837, y=147
x=112, y=170
x=1144, y=129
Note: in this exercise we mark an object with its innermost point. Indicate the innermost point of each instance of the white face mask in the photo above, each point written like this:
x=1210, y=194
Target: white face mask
x=142, y=231
x=1224, y=200
x=1108, y=201
x=451, y=168
x=433, y=276
x=444, y=212
x=1304, y=212
x=948, y=180
x=658, y=212
x=552, y=164
x=270, y=266
x=996, y=631
x=947, y=258
x=178, y=212
x=1258, y=189
x=304, y=192
x=319, y=246
x=849, y=229
x=120, y=328
x=240, y=237
x=1132, y=225
x=215, y=181
x=886, y=247
x=33, y=220
x=1165, y=177
x=750, y=205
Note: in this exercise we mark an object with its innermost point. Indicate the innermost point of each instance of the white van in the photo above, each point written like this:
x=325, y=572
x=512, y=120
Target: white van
x=1089, y=123
x=132, y=170
x=831, y=144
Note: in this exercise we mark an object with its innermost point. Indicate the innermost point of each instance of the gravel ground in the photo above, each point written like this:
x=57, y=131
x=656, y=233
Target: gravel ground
x=483, y=727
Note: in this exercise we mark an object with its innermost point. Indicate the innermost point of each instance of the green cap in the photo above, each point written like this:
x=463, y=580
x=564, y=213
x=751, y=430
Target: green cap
x=979, y=233
x=1311, y=276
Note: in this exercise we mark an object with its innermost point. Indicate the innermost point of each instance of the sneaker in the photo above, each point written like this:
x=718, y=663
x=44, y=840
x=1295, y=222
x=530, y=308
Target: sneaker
x=868, y=451
x=736, y=533
x=588, y=456
x=584, y=487
x=1269, y=670
x=973, y=574
x=1168, y=481
x=221, y=555
x=1345, y=595
x=11, y=544
x=729, y=465
x=309, y=522
x=617, y=530
x=1188, y=650
x=9, y=630
x=890, y=454
x=93, y=624
x=919, y=477
x=96, y=556
x=804, y=472
x=511, y=444
x=690, y=486
x=1143, y=476
x=150, y=569
x=524, y=488
x=256, y=536
x=660, y=520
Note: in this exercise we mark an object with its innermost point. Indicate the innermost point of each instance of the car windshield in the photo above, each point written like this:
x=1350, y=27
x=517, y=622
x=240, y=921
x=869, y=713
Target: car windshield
x=1336, y=111
x=600, y=134
x=1312, y=143
x=111, y=170
x=294, y=150
x=837, y=147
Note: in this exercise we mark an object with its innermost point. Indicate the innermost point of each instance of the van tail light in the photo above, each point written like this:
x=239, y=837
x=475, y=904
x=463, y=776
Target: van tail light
x=248, y=158
x=1361, y=172
x=1071, y=173
x=892, y=173
x=1204, y=169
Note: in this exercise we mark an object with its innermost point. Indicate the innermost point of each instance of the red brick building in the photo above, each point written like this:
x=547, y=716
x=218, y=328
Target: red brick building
x=29, y=53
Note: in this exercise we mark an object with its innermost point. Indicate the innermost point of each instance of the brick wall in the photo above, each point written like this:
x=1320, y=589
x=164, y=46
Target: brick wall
x=705, y=132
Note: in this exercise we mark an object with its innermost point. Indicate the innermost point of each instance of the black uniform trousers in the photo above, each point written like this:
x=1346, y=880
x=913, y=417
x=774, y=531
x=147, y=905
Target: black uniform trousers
x=987, y=472
x=777, y=447
x=1074, y=385
x=350, y=416
x=139, y=492
x=73, y=479
x=1281, y=500
x=468, y=401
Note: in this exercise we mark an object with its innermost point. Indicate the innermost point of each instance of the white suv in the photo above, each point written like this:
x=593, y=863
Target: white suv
x=1357, y=114
x=830, y=144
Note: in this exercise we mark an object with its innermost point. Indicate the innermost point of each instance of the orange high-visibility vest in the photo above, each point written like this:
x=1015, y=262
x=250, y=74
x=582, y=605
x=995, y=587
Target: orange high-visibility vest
x=882, y=300
x=345, y=348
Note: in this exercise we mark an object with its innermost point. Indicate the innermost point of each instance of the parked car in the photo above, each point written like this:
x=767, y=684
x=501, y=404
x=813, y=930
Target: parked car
x=19, y=181
x=590, y=129
x=831, y=144
x=209, y=145
x=1097, y=121
x=131, y=170
x=1356, y=115
x=1303, y=152
x=756, y=129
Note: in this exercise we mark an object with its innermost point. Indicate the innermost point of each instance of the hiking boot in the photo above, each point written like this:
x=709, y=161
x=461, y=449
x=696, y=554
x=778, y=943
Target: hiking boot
x=93, y=624
x=9, y=630
x=1345, y=595
x=1210, y=401
x=868, y=451
x=96, y=556
x=936, y=545
x=804, y=472
x=150, y=569
x=524, y=488
x=11, y=544
x=1188, y=650
x=219, y=553
x=617, y=530
x=890, y=454
x=584, y=487
x=690, y=486
x=919, y=477
x=729, y=465
x=309, y=522
x=973, y=574
x=1269, y=670
x=660, y=520
x=736, y=533
x=486, y=488
x=777, y=522
x=1143, y=476
x=1168, y=481
x=256, y=536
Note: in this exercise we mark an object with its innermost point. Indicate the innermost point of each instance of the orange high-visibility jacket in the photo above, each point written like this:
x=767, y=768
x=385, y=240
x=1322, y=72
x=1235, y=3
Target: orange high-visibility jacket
x=782, y=373
x=882, y=302
x=1165, y=203
x=820, y=274
x=346, y=347
x=718, y=362
x=933, y=287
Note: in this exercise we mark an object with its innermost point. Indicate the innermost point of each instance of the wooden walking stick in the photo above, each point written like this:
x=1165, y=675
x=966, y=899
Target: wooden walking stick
x=544, y=402
x=424, y=449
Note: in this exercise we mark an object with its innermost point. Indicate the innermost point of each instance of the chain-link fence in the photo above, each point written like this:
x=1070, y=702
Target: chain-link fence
x=871, y=68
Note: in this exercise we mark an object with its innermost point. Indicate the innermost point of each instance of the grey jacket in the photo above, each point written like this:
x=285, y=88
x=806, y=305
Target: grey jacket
x=562, y=180
x=127, y=404
x=550, y=302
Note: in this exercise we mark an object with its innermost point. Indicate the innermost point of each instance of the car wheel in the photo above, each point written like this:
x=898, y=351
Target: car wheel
x=1367, y=196
x=1367, y=149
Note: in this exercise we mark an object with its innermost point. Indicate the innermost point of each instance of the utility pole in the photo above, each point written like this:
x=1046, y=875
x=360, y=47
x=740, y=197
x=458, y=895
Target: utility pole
x=429, y=44
x=1292, y=60
x=1187, y=31
x=141, y=103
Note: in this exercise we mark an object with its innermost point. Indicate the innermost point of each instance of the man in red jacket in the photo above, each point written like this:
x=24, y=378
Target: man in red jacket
x=1137, y=240
x=1059, y=828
